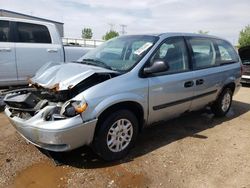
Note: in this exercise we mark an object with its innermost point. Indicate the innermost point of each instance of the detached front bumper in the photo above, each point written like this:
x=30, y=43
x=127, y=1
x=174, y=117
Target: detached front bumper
x=58, y=135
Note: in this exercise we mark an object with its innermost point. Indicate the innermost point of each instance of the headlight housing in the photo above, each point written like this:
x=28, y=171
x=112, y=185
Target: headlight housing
x=72, y=108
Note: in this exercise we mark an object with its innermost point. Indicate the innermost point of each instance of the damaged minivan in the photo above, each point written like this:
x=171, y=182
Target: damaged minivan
x=109, y=95
x=244, y=53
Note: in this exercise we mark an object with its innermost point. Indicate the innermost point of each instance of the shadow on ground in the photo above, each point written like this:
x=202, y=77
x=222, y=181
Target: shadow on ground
x=152, y=138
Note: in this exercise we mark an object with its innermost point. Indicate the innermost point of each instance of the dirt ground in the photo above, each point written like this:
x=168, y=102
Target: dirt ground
x=195, y=150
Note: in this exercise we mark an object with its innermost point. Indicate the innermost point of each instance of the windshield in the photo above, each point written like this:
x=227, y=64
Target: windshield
x=120, y=54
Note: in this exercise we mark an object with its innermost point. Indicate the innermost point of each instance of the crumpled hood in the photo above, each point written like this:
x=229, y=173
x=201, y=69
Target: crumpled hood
x=63, y=76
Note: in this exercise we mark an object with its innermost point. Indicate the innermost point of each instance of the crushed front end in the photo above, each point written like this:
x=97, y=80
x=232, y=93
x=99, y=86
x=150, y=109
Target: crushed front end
x=44, y=118
x=52, y=112
x=47, y=120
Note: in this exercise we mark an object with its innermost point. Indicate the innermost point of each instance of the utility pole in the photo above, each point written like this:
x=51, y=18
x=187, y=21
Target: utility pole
x=111, y=26
x=123, y=26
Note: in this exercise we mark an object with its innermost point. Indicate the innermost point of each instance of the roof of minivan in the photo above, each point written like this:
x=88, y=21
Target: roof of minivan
x=187, y=34
x=170, y=34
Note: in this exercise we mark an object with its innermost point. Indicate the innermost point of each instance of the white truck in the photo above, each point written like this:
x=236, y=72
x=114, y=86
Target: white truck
x=26, y=45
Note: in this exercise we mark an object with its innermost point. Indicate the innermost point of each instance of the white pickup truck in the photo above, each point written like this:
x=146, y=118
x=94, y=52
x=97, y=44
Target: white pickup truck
x=26, y=45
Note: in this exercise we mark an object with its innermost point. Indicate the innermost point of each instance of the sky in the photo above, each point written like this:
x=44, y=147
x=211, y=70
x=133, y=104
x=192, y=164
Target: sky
x=223, y=18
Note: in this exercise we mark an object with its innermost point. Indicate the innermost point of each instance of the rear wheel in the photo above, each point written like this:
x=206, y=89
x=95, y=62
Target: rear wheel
x=223, y=103
x=116, y=134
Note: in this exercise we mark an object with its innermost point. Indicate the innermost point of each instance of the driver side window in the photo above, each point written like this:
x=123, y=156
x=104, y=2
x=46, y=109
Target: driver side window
x=173, y=52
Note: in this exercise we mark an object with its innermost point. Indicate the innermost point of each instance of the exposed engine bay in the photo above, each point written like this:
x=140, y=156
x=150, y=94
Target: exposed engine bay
x=26, y=102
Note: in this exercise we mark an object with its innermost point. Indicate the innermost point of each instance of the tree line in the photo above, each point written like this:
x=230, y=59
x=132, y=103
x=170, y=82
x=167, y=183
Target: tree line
x=88, y=34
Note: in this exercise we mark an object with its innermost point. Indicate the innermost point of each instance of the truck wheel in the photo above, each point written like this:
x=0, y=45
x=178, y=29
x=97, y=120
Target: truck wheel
x=116, y=135
x=223, y=103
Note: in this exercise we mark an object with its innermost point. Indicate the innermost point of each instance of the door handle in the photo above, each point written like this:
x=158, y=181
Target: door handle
x=189, y=84
x=199, y=82
x=5, y=49
x=52, y=50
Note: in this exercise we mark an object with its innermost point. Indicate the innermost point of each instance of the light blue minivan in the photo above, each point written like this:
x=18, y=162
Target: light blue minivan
x=111, y=93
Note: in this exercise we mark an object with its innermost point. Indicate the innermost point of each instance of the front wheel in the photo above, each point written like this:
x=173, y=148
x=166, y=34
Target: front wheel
x=116, y=135
x=223, y=103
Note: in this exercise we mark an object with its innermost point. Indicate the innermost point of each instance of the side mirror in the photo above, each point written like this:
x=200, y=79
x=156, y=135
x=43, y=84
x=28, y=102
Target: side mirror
x=157, y=66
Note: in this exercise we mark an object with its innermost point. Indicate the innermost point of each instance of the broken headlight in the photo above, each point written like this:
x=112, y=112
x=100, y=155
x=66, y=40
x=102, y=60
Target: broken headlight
x=73, y=108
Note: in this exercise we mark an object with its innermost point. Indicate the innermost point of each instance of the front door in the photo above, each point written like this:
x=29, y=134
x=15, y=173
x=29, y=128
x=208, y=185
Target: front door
x=170, y=92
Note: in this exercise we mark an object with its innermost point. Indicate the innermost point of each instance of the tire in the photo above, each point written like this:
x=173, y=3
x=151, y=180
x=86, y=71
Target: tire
x=222, y=105
x=112, y=142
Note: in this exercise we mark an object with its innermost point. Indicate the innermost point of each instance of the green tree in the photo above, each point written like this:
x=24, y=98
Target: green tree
x=110, y=34
x=244, y=38
x=203, y=32
x=87, y=33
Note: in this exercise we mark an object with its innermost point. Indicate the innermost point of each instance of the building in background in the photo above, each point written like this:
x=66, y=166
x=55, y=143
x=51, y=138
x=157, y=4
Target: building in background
x=7, y=13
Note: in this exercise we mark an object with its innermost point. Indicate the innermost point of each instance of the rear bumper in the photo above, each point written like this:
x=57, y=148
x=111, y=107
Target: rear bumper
x=60, y=135
x=245, y=79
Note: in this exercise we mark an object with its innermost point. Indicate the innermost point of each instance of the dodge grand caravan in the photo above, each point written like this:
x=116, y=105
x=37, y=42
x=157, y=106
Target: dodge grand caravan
x=111, y=93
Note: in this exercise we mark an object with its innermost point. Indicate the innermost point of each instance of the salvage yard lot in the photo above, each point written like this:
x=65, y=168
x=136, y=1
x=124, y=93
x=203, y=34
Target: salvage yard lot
x=195, y=150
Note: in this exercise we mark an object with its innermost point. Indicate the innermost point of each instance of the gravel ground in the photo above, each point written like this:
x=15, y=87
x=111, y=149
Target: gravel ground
x=195, y=150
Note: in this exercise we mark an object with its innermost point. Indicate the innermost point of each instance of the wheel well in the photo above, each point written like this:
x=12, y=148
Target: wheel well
x=129, y=105
x=230, y=85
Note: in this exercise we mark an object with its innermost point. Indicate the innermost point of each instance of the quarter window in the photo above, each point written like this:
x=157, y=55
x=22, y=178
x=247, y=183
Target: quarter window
x=173, y=52
x=4, y=31
x=227, y=52
x=203, y=52
x=32, y=33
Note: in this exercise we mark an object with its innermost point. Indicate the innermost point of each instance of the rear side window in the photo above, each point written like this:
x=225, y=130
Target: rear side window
x=204, y=54
x=227, y=53
x=32, y=33
x=4, y=31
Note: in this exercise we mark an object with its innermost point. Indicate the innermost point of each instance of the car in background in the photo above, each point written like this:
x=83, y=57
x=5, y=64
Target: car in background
x=244, y=53
x=26, y=45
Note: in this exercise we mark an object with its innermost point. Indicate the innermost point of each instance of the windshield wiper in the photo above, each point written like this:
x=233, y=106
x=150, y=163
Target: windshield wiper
x=96, y=62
